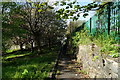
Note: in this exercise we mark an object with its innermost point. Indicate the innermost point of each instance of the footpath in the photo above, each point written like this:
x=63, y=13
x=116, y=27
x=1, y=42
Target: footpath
x=69, y=69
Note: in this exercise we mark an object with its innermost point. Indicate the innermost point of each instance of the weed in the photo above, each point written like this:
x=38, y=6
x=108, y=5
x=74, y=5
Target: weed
x=82, y=71
x=95, y=57
x=104, y=41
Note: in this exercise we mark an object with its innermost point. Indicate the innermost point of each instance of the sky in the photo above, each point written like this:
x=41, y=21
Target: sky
x=91, y=13
x=82, y=2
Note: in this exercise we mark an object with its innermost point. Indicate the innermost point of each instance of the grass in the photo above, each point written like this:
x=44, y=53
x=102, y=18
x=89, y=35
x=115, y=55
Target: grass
x=17, y=55
x=8, y=51
x=33, y=66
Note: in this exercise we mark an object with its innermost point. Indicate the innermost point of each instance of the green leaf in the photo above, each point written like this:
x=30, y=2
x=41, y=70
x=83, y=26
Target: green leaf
x=114, y=55
x=60, y=11
x=25, y=72
x=71, y=14
x=50, y=7
x=56, y=3
x=76, y=6
x=84, y=15
x=67, y=7
x=66, y=11
x=44, y=3
x=65, y=16
x=74, y=2
x=75, y=18
x=63, y=3
x=70, y=5
x=78, y=15
x=39, y=10
x=95, y=5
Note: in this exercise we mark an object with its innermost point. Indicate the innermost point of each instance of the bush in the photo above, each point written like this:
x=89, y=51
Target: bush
x=101, y=39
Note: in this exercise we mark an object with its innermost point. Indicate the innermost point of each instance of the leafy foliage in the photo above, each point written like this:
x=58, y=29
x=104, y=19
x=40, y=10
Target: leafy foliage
x=30, y=22
x=72, y=9
x=11, y=24
x=107, y=43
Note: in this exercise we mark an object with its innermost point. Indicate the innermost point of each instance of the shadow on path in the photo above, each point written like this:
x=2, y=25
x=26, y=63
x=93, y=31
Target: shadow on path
x=68, y=68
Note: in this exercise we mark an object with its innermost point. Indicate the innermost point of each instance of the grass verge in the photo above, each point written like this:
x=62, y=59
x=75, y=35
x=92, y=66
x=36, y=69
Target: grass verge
x=33, y=66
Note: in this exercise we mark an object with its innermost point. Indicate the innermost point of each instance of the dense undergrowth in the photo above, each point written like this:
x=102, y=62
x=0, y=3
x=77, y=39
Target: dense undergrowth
x=30, y=65
x=108, y=43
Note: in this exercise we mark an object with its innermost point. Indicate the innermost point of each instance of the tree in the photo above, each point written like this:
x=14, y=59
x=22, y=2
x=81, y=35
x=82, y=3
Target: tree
x=33, y=22
x=11, y=24
x=72, y=9
x=40, y=21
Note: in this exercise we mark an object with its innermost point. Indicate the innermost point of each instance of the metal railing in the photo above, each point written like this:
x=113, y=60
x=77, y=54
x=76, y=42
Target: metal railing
x=106, y=20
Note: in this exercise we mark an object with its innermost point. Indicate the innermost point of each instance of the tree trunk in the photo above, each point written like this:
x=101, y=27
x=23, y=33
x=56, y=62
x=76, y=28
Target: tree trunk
x=49, y=43
x=32, y=47
x=21, y=47
x=37, y=42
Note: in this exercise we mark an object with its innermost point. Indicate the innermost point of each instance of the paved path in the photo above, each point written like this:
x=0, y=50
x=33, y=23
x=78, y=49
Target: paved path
x=68, y=69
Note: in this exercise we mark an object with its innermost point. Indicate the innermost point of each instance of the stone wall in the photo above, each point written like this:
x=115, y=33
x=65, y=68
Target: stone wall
x=97, y=65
